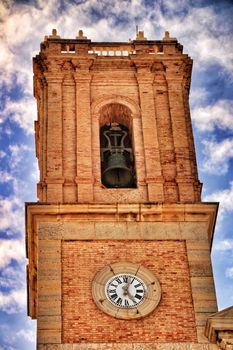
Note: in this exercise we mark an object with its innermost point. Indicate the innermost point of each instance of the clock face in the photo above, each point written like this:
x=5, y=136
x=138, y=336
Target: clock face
x=125, y=290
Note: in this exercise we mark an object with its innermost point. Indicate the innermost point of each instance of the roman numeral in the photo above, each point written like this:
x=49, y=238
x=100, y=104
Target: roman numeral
x=138, y=296
x=112, y=291
x=114, y=285
x=119, y=301
x=126, y=302
x=139, y=291
x=137, y=285
x=113, y=297
x=125, y=279
x=118, y=280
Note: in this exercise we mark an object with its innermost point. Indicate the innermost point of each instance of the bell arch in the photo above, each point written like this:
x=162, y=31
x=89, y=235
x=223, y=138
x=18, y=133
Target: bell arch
x=98, y=104
x=100, y=114
x=116, y=147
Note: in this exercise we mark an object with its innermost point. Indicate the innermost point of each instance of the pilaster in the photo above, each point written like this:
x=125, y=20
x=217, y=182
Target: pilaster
x=149, y=131
x=84, y=175
x=54, y=177
x=69, y=135
x=184, y=175
x=165, y=135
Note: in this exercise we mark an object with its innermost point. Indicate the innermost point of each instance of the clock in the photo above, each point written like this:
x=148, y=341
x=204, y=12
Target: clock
x=126, y=290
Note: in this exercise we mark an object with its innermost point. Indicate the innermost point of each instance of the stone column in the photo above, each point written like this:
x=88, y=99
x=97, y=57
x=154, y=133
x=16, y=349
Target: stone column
x=84, y=176
x=149, y=130
x=54, y=178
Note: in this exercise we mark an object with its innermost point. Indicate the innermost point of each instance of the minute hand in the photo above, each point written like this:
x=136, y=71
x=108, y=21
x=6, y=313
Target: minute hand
x=130, y=296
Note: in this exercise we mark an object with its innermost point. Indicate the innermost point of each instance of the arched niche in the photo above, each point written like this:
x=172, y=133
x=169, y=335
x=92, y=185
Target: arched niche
x=116, y=146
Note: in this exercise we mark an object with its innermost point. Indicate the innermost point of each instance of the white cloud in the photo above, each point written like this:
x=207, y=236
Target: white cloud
x=225, y=197
x=229, y=272
x=217, y=156
x=11, y=215
x=13, y=338
x=18, y=153
x=11, y=250
x=22, y=112
x=205, y=35
x=13, y=277
x=6, y=177
x=19, y=158
x=218, y=115
x=224, y=245
x=2, y=154
x=13, y=302
x=26, y=334
x=198, y=96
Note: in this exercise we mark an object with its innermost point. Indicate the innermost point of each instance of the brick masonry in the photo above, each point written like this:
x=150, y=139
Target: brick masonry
x=172, y=321
x=81, y=84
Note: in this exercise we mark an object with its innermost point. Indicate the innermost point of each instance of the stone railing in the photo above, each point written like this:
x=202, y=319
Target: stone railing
x=82, y=45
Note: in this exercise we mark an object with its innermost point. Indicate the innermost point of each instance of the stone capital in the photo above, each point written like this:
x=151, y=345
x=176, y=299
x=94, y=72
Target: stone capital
x=82, y=63
x=53, y=78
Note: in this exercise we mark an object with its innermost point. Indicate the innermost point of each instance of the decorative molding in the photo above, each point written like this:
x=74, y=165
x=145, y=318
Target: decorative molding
x=219, y=328
x=127, y=346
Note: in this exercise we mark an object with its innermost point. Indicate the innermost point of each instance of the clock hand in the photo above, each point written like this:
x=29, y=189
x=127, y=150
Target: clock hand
x=126, y=288
x=131, y=297
x=127, y=292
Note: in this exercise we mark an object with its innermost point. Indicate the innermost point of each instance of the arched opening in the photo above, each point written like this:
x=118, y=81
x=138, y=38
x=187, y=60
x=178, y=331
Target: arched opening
x=116, y=149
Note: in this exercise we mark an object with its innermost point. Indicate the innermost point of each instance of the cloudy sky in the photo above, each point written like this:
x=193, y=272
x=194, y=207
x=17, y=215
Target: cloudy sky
x=205, y=30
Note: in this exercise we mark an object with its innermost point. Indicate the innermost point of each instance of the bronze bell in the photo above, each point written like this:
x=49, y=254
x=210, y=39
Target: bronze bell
x=117, y=174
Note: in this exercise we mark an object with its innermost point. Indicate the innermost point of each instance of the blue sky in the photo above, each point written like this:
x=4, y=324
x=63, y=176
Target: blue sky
x=205, y=30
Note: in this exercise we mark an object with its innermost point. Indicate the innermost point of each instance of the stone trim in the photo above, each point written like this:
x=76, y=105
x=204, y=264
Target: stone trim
x=135, y=346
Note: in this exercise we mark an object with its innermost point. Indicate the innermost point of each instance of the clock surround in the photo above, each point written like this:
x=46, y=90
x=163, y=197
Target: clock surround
x=120, y=298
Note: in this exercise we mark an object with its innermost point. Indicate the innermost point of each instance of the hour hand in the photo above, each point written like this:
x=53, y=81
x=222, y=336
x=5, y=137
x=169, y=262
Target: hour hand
x=126, y=288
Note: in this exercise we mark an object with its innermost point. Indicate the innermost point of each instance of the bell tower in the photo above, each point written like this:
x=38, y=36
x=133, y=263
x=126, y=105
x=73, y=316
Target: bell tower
x=119, y=240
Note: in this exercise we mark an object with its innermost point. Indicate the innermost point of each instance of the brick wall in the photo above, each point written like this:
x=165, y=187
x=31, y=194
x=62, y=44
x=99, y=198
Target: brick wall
x=172, y=321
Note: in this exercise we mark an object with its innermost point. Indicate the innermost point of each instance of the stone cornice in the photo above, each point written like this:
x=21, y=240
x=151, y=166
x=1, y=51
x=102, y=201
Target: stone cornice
x=148, y=212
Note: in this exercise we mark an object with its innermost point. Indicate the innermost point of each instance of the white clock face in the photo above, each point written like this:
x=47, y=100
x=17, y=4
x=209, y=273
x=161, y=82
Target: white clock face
x=125, y=290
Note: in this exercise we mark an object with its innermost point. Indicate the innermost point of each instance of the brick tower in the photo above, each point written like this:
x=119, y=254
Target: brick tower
x=119, y=240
